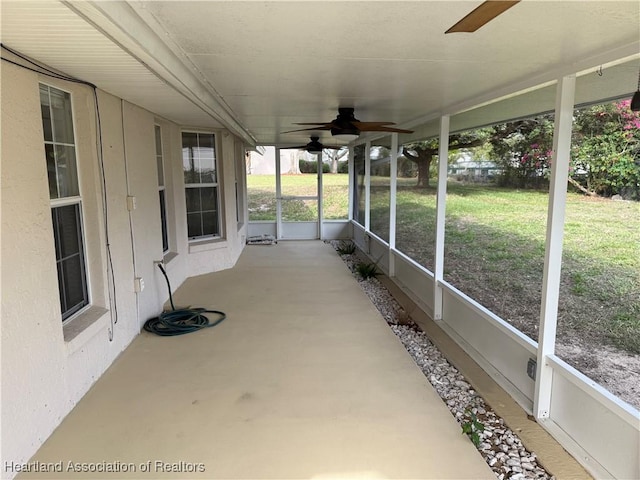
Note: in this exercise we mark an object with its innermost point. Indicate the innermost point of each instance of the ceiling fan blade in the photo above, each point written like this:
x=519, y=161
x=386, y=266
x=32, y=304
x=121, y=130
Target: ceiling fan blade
x=361, y=125
x=320, y=127
x=313, y=123
x=483, y=14
x=346, y=123
x=384, y=129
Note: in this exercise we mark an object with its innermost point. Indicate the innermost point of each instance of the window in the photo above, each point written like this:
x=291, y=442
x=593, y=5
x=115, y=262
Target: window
x=201, y=185
x=359, y=186
x=161, y=190
x=66, y=203
x=240, y=159
x=380, y=187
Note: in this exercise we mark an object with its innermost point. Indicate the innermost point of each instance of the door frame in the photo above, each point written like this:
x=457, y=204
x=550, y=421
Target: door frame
x=305, y=230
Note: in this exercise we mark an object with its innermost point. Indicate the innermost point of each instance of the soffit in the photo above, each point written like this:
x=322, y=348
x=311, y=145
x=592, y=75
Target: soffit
x=49, y=32
x=270, y=64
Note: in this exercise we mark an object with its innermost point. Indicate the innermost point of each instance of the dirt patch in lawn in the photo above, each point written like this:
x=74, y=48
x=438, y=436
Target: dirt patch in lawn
x=579, y=343
x=614, y=369
x=512, y=289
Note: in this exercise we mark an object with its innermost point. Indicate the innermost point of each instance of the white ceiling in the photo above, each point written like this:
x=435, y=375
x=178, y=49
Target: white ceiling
x=259, y=67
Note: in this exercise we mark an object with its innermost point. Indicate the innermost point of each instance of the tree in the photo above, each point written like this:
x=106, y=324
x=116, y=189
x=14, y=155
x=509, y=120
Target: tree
x=523, y=149
x=605, y=156
x=423, y=153
x=606, y=150
x=333, y=157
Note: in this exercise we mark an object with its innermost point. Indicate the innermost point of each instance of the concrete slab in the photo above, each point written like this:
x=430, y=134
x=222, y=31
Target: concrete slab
x=303, y=380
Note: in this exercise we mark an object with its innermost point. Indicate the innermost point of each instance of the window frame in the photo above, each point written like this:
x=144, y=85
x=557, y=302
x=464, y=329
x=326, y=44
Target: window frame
x=359, y=207
x=76, y=200
x=162, y=189
x=215, y=185
x=239, y=174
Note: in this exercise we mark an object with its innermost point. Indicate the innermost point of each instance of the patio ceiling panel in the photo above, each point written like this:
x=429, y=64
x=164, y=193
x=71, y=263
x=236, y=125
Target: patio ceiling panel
x=390, y=60
x=267, y=65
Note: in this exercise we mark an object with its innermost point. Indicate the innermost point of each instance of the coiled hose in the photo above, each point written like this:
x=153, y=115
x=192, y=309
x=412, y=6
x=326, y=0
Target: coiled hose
x=179, y=322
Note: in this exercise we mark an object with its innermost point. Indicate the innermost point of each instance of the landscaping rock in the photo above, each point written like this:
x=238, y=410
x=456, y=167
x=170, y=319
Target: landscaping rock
x=501, y=448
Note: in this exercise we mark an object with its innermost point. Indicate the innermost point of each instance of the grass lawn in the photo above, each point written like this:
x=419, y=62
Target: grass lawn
x=262, y=197
x=494, y=248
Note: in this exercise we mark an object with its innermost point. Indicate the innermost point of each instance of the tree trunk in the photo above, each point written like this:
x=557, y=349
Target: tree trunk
x=333, y=166
x=581, y=188
x=424, y=166
x=334, y=156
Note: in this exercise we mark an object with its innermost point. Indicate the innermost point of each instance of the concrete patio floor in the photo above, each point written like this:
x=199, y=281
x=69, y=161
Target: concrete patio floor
x=303, y=380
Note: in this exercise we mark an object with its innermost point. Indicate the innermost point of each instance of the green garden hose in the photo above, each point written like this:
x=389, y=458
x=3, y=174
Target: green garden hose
x=181, y=321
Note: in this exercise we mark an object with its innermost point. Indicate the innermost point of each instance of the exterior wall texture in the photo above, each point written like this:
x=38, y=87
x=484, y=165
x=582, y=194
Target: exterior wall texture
x=47, y=368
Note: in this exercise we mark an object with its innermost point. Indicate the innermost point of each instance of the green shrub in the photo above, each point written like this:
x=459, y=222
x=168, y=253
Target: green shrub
x=346, y=248
x=307, y=166
x=367, y=270
x=472, y=427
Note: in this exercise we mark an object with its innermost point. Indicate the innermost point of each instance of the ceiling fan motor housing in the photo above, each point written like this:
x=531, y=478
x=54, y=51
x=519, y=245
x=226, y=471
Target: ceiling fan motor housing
x=343, y=125
x=314, y=146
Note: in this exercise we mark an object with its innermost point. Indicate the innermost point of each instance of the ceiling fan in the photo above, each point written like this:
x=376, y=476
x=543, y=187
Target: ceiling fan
x=348, y=127
x=482, y=15
x=314, y=146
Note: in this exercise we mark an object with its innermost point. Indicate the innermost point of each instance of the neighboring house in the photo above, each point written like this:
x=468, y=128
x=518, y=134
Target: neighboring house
x=265, y=164
x=474, y=169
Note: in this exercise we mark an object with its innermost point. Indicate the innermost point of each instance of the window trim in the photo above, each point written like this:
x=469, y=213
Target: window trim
x=72, y=200
x=164, y=222
x=216, y=185
x=239, y=169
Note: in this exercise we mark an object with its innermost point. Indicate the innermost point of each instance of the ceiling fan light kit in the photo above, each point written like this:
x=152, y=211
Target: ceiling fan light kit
x=635, y=100
x=346, y=134
x=314, y=146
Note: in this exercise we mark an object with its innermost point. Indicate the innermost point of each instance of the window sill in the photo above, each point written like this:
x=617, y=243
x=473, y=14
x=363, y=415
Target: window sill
x=196, y=246
x=84, y=326
x=168, y=257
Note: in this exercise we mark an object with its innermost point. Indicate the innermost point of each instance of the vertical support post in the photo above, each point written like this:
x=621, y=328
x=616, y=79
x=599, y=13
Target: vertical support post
x=553, y=250
x=319, y=196
x=352, y=182
x=392, y=204
x=441, y=199
x=367, y=187
x=278, y=197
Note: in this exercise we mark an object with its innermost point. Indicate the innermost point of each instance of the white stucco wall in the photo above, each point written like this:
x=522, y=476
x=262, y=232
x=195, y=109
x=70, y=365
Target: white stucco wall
x=44, y=375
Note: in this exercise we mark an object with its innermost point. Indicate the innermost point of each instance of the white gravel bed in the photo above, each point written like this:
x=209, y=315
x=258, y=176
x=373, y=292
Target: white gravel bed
x=499, y=445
